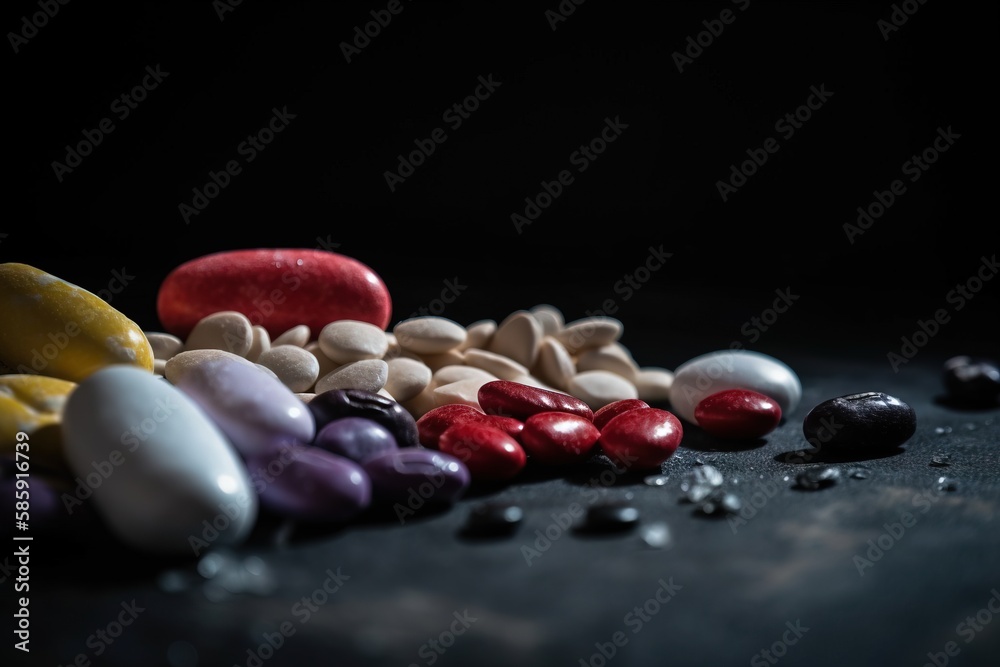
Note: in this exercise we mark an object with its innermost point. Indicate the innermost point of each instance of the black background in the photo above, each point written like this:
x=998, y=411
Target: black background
x=322, y=179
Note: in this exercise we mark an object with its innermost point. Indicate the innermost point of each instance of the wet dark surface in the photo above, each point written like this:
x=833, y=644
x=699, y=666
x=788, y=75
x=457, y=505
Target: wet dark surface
x=882, y=567
x=886, y=566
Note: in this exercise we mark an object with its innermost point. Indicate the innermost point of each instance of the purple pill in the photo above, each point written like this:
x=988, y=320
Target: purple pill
x=416, y=476
x=338, y=403
x=356, y=438
x=307, y=483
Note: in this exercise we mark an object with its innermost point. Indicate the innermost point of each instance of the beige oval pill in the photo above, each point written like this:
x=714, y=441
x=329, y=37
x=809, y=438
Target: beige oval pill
x=296, y=367
x=550, y=317
x=465, y=392
x=345, y=341
x=365, y=374
x=441, y=360
x=180, y=363
x=554, y=365
x=421, y=403
x=479, y=334
x=517, y=337
x=457, y=372
x=612, y=357
x=326, y=364
x=227, y=330
x=590, y=332
x=653, y=383
x=503, y=367
x=297, y=335
x=261, y=342
x=598, y=388
x=164, y=345
x=305, y=397
x=407, y=378
x=429, y=334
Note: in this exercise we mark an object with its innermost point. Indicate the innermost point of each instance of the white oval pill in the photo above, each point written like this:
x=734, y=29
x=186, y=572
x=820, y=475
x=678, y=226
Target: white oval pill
x=173, y=480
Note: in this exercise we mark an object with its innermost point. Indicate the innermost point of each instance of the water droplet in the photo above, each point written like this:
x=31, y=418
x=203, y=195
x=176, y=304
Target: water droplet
x=946, y=485
x=700, y=482
x=858, y=473
x=656, y=480
x=720, y=502
x=211, y=564
x=657, y=535
x=785, y=478
x=970, y=426
x=940, y=460
x=942, y=430
x=817, y=478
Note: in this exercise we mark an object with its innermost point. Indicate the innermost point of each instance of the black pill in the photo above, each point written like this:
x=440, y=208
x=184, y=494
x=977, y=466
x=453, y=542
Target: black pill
x=971, y=380
x=493, y=519
x=871, y=420
x=611, y=517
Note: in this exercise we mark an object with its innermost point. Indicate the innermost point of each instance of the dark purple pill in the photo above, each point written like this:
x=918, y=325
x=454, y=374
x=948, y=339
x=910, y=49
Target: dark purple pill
x=338, y=403
x=307, y=483
x=417, y=476
x=356, y=438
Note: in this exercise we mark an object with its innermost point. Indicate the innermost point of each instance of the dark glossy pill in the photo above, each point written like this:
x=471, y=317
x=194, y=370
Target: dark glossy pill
x=417, y=476
x=971, y=380
x=493, y=519
x=306, y=483
x=870, y=420
x=611, y=517
x=356, y=438
x=337, y=403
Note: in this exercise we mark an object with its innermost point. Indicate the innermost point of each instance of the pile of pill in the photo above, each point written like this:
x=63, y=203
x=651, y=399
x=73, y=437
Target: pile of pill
x=278, y=386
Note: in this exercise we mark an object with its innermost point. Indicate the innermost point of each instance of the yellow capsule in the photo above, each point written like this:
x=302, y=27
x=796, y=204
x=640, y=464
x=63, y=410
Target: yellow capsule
x=33, y=404
x=55, y=328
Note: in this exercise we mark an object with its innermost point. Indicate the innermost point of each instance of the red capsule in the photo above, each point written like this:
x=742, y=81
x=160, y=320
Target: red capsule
x=559, y=438
x=435, y=421
x=277, y=288
x=514, y=399
x=641, y=438
x=488, y=452
x=605, y=414
x=738, y=414
x=509, y=425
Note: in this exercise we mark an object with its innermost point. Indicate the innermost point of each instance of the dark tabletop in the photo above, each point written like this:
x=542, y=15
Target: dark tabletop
x=890, y=566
